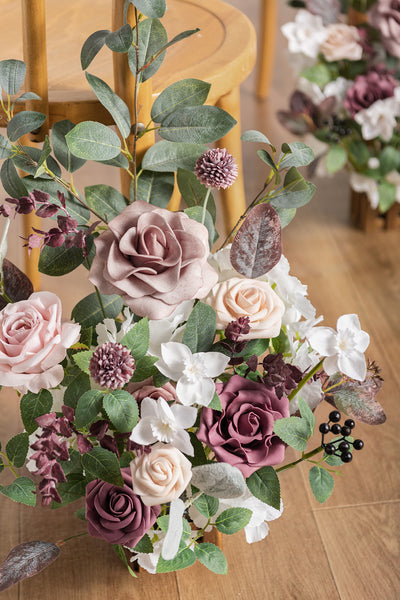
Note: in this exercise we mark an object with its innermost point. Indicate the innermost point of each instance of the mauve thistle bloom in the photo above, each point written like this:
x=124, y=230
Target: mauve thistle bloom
x=112, y=365
x=216, y=168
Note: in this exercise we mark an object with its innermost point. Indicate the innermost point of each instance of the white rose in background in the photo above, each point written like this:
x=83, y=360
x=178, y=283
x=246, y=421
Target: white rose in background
x=379, y=119
x=342, y=42
x=363, y=184
x=338, y=89
x=305, y=34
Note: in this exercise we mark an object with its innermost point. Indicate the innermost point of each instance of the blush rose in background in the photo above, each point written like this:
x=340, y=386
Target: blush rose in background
x=33, y=341
x=385, y=16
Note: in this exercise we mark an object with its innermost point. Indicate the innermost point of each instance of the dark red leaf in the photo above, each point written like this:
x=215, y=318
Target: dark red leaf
x=257, y=246
x=26, y=560
x=16, y=284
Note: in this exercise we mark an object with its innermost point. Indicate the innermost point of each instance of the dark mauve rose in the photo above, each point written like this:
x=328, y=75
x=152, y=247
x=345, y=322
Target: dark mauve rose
x=154, y=259
x=385, y=16
x=146, y=389
x=242, y=434
x=377, y=84
x=116, y=514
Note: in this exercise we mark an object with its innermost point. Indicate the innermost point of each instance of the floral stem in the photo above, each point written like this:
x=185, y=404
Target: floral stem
x=203, y=216
x=135, y=108
x=304, y=457
x=8, y=465
x=62, y=542
x=306, y=378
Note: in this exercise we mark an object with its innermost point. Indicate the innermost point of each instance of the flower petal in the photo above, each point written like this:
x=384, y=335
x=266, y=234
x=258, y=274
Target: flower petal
x=174, y=356
x=353, y=365
x=214, y=362
x=323, y=340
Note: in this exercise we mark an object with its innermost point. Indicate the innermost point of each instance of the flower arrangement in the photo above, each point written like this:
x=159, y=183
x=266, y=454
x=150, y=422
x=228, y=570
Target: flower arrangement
x=347, y=93
x=165, y=404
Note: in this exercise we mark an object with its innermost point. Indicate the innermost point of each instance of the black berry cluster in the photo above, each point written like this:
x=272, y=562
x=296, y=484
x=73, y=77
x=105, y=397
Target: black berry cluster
x=341, y=447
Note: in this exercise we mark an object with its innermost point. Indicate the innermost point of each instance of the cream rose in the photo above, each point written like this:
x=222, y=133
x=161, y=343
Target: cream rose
x=33, y=342
x=238, y=297
x=342, y=43
x=160, y=476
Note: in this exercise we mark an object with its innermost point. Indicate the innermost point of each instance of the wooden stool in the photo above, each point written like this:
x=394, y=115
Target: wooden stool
x=269, y=23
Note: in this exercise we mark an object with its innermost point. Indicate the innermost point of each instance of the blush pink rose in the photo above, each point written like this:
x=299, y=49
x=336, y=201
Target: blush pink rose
x=116, y=514
x=342, y=43
x=161, y=475
x=385, y=16
x=238, y=297
x=146, y=389
x=154, y=259
x=33, y=341
x=242, y=434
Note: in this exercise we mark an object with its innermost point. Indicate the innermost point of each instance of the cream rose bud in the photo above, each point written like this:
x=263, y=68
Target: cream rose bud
x=342, y=43
x=160, y=476
x=238, y=297
x=33, y=341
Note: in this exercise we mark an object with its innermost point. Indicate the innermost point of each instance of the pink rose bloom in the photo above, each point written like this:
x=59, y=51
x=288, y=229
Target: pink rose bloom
x=377, y=84
x=162, y=475
x=242, y=434
x=342, y=43
x=116, y=514
x=238, y=297
x=385, y=16
x=146, y=389
x=33, y=341
x=154, y=259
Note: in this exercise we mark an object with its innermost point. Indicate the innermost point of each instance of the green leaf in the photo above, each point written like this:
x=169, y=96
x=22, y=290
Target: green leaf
x=194, y=192
x=59, y=261
x=307, y=414
x=264, y=485
x=12, y=75
x=207, y=505
x=150, y=8
x=336, y=158
x=5, y=147
x=155, y=188
x=81, y=513
x=93, y=141
x=300, y=156
x=252, y=135
x=196, y=124
x=163, y=523
x=46, y=151
x=34, y=405
x=113, y=103
x=358, y=153
x=17, y=449
x=71, y=490
x=387, y=195
x=267, y=158
x=24, y=122
x=187, y=92
x=144, y=545
x=28, y=162
x=168, y=156
x=120, y=40
x=319, y=74
x=232, y=520
x=137, y=339
x=286, y=215
x=11, y=181
x=25, y=96
x=73, y=465
x=144, y=368
x=293, y=431
x=196, y=213
x=215, y=403
x=294, y=197
x=122, y=410
x=100, y=463
x=389, y=160
x=199, y=457
x=119, y=550
x=105, y=200
x=88, y=407
x=61, y=151
x=321, y=483
x=184, y=558
x=74, y=207
x=120, y=161
x=200, y=328
x=211, y=557
x=21, y=490
x=82, y=359
x=92, y=47
x=89, y=311
x=79, y=383
x=152, y=38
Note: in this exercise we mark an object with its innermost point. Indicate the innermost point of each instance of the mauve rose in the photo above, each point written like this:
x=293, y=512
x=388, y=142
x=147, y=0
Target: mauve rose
x=33, y=341
x=116, y=514
x=154, y=259
x=242, y=434
x=385, y=16
x=146, y=389
x=377, y=84
x=342, y=43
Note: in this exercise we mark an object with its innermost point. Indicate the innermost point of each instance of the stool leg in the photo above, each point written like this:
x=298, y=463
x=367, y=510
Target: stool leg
x=269, y=19
x=233, y=199
x=32, y=261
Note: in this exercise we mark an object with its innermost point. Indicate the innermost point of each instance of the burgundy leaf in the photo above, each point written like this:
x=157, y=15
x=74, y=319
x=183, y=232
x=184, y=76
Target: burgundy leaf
x=357, y=400
x=296, y=124
x=328, y=10
x=16, y=284
x=257, y=246
x=26, y=560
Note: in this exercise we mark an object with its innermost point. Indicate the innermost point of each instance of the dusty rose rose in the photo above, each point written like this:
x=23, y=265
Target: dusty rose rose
x=385, y=16
x=146, y=389
x=238, y=297
x=116, y=514
x=377, y=84
x=242, y=434
x=342, y=43
x=162, y=475
x=154, y=259
x=33, y=341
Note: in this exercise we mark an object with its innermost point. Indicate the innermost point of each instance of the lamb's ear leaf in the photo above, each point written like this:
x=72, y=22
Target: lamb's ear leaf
x=26, y=560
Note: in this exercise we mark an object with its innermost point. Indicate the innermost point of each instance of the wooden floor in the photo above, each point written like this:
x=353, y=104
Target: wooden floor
x=348, y=548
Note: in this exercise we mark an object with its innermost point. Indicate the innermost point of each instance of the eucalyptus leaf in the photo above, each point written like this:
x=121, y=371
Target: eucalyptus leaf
x=113, y=103
x=105, y=200
x=24, y=122
x=387, y=195
x=5, y=147
x=93, y=141
x=300, y=155
x=155, y=188
x=187, y=92
x=11, y=181
x=168, y=156
x=30, y=159
x=196, y=213
x=267, y=158
x=92, y=47
x=196, y=124
x=12, y=75
x=61, y=151
x=335, y=158
x=152, y=38
x=292, y=197
x=150, y=8
x=120, y=40
x=252, y=135
x=194, y=192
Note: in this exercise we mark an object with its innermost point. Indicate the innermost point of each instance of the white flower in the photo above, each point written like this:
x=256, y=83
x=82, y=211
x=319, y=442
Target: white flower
x=310, y=89
x=362, y=183
x=193, y=373
x=379, y=119
x=344, y=349
x=148, y=561
x=168, y=329
x=107, y=331
x=305, y=34
x=338, y=89
x=221, y=263
x=164, y=423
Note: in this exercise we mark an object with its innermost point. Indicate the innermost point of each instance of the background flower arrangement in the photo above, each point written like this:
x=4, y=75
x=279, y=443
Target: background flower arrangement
x=347, y=96
x=177, y=411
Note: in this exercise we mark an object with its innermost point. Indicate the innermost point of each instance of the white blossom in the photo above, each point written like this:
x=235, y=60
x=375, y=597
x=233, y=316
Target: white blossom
x=363, y=184
x=169, y=329
x=379, y=119
x=305, y=34
x=107, y=330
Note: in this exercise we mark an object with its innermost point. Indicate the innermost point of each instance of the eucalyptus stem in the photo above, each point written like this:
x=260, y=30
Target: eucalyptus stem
x=135, y=108
x=304, y=457
x=97, y=292
x=306, y=378
x=203, y=216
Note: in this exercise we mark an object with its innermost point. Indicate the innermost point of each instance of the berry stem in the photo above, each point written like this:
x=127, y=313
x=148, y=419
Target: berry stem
x=304, y=457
